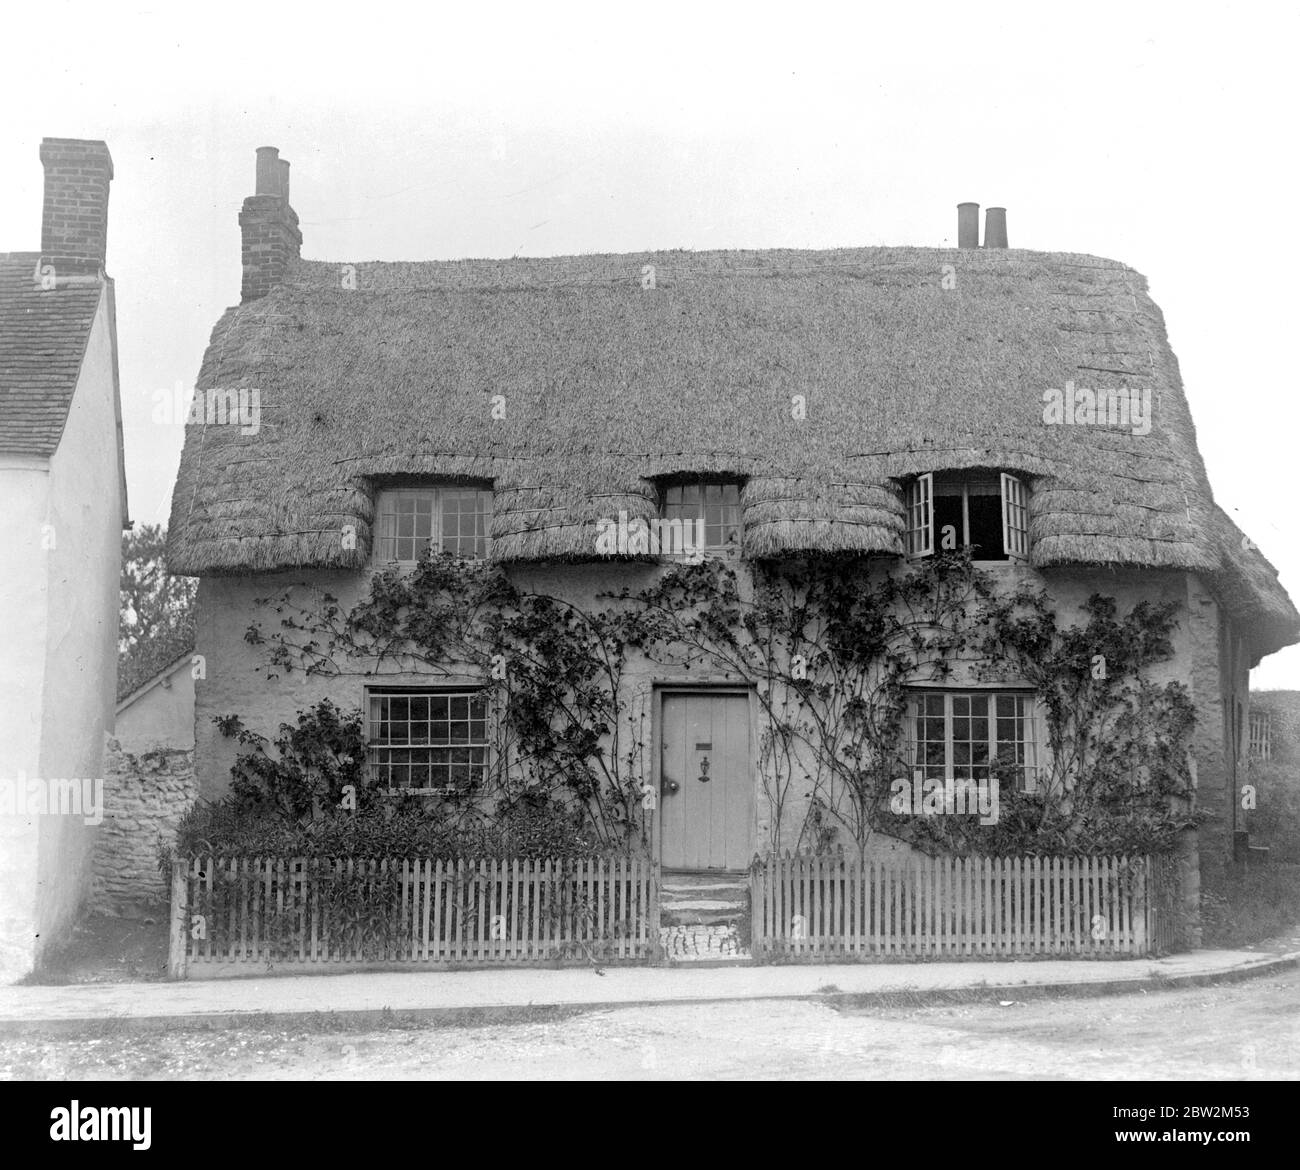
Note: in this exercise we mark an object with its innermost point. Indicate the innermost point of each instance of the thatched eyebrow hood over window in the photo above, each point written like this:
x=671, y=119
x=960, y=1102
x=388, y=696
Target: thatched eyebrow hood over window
x=606, y=385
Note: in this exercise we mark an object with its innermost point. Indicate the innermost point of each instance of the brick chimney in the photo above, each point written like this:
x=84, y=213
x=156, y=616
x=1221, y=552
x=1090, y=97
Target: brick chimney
x=74, y=223
x=270, y=226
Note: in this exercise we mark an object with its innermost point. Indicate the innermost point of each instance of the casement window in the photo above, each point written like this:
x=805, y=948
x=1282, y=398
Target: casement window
x=716, y=504
x=957, y=733
x=456, y=520
x=920, y=516
x=987, y=513
x=427, y=741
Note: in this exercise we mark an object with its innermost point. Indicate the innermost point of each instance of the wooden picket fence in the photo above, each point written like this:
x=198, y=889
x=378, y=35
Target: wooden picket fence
x=1166, y=914
x=822, y=906
x=240, y=916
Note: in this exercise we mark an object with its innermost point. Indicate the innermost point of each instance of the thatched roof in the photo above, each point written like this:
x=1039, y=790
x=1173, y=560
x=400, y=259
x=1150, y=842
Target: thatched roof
x=608, y=384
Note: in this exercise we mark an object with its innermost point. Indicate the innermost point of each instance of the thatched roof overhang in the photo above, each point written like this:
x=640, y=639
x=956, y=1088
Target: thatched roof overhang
x=574, y=388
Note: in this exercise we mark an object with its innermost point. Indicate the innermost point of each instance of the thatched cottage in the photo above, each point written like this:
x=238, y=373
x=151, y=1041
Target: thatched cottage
x=884, y=404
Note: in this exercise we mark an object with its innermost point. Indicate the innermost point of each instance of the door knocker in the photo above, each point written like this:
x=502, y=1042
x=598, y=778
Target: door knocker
x=704, y=770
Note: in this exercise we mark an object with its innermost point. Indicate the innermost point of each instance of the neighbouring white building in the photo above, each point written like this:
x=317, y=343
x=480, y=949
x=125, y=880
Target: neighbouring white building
x=63, y=484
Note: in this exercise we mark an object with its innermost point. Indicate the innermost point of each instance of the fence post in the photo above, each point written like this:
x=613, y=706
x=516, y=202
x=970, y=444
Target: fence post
x=1143, y=896
x=656, y=948
x=176, y=936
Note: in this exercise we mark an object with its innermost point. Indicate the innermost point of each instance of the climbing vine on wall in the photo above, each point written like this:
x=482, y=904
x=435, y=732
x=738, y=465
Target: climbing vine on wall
x=553, y=674
x=832, y=646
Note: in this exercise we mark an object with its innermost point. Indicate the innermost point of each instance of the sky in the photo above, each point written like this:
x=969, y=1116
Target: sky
x=1159, y=135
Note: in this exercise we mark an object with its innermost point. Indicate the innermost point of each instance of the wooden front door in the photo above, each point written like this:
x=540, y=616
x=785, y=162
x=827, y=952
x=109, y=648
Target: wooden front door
x=705, y=753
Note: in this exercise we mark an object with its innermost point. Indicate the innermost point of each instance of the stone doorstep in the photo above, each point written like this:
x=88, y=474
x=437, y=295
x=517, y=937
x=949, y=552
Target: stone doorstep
x=699, y=912
x=695, y=943
x=672, y=917
x=665, y=903
x=704, y=878
x=678, y=887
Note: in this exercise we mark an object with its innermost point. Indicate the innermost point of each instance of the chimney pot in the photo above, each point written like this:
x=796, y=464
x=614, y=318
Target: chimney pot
x=995, y=227
x=268, y=171
x=968, y=225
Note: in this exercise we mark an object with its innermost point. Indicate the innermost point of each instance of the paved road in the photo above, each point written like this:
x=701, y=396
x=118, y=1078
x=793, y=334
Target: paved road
x=1248, y=1030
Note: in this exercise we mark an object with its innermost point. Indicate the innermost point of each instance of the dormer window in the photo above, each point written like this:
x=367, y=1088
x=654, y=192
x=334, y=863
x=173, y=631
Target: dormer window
x=985, y=512
x=451, y=519
x=714, y=504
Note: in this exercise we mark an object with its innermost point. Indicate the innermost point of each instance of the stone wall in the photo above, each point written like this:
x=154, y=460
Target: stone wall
x=144, y=798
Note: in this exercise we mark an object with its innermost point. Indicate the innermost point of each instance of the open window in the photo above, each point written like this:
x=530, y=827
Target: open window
x=453, y=518
x=986, y=512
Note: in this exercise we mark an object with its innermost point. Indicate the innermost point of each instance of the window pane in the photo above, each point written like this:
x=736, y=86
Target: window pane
x=466, y=516
x=404, y=525
x=957, y=733
x=428, y=740
x=1015, y=734
x=459, y=518
x=716, y=504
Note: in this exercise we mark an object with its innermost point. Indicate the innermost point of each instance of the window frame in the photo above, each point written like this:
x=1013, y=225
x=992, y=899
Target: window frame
x=724, y=551
x=919, y=534
x=919, y=538
x=375, y=778
x=1032, y=722
x=1015, y=518
x=436, y=492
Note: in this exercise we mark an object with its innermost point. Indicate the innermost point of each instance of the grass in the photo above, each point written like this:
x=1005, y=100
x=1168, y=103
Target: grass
x=1251, y=905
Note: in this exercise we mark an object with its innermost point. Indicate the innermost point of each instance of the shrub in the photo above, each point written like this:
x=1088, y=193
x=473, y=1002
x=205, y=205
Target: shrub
x=289, y=798
x=1275, y=821
x=1251, y=905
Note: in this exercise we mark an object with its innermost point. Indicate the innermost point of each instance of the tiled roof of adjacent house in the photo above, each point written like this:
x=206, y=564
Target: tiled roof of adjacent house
x=908, y=360
x=43, y=336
